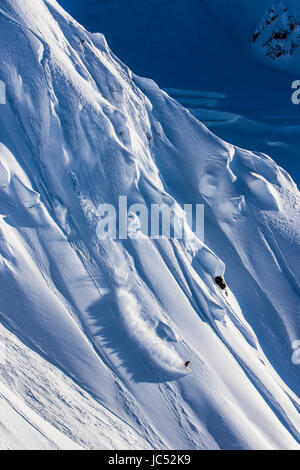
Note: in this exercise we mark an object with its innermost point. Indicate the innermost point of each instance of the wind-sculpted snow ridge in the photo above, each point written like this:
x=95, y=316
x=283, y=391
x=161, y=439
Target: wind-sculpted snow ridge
x=117, y=318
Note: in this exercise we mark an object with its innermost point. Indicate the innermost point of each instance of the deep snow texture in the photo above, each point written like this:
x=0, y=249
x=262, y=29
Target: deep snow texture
x=112, y=320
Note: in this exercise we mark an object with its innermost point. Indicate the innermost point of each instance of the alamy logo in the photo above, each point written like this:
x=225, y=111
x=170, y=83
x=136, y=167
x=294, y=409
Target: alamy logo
x=161, y=221
x=2, y=92
x=296, y=94
x=296, y=353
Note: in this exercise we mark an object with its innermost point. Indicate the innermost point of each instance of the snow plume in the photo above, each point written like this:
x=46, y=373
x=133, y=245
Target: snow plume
x=143, y=333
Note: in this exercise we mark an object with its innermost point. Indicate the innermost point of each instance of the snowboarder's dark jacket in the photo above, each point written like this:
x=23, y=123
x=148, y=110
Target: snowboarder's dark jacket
x=221, y=283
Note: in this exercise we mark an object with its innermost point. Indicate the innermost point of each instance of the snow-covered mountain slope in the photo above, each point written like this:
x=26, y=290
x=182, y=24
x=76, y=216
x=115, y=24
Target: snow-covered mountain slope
x=135, y=27
x=42, y=408
x=116, y=319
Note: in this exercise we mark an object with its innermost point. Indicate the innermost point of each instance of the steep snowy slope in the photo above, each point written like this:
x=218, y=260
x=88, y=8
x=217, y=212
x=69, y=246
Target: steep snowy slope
x=117, y=318
x=33, y=394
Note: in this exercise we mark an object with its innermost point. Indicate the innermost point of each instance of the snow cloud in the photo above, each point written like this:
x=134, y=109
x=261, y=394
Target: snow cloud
x=143, y=333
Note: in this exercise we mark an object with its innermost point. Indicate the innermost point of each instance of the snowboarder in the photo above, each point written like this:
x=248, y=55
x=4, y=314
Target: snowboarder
x=221, y=283
x=186, y=363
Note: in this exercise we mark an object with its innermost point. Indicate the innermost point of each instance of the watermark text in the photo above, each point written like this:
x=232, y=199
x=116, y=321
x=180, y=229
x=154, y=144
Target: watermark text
x=2, y=92
x=296, y=94
x=296, y=353
x=155, y=221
